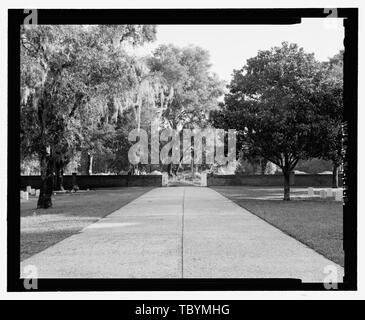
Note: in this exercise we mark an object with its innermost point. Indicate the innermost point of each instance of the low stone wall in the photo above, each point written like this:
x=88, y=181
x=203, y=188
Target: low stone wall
x=300, y=180
x=98, y=181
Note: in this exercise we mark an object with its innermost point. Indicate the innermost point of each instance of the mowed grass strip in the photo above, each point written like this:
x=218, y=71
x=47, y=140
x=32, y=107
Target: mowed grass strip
x=316, y=223
x=71, y=212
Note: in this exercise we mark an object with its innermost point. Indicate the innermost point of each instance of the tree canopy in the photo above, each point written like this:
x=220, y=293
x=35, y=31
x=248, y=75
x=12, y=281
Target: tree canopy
x=273, y=104
x=330, y=110
x=83, y=91
x=193, y=89
x=69, y=76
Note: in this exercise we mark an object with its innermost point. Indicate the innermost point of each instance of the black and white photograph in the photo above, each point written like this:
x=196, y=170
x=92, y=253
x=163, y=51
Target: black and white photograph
x=182, y=149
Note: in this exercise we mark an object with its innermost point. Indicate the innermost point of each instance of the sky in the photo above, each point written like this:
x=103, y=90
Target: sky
x=231, y=45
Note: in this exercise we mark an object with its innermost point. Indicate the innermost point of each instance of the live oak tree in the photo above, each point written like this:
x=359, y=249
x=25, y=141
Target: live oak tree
x=47, y=99
x=65, y=71
x=193, y=89
x=271, y=103
x=160, y=93
x=139, y=101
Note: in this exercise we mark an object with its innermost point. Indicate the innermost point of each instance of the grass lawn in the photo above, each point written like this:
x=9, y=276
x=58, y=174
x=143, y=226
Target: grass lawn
x=316, y=223
x=71, y=212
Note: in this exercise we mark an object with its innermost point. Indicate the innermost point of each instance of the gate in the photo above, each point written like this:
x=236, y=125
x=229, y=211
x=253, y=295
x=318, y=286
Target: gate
x=184, y=179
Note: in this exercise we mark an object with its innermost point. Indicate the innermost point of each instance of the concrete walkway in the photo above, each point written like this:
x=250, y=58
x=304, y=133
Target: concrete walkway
x=181, y=232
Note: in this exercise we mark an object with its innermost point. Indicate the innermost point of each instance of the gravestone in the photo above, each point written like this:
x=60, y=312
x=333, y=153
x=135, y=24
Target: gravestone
x=26, y=195
x=310, y=192
x=37, y=192
x=28, y=189
x=323, y=194
x=329, y=192
x=32, y=192
x=339, y=195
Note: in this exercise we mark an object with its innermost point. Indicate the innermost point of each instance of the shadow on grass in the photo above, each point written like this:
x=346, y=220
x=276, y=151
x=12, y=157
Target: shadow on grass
x=71, y=212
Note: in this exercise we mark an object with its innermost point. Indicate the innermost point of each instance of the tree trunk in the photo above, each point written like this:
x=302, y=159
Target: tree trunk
x=45, y=195
x=59, y=177
x=335, y=176
x=86, y=163
x=175, y=168
x=90, y=169
x=263, y=165
x=286, y=185
x=254, y=167
x=169, y=169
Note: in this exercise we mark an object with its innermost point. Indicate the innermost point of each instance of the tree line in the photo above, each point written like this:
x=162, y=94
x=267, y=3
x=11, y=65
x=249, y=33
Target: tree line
x=83, y=90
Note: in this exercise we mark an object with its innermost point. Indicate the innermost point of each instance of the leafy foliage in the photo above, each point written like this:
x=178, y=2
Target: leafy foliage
x=273, y=104
x=330, y=109
x=69, y=76
x=192, y=89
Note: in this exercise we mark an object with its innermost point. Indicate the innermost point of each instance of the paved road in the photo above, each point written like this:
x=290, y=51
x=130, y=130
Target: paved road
x=181, y=232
